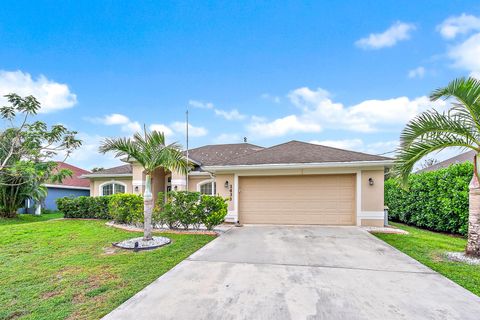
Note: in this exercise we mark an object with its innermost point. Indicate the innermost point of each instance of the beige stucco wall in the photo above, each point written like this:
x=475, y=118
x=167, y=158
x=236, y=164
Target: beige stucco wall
x=158, y=182
x=95, y=184
x=225, y=192
x=372, y=196
x=194, y=181
x=372, y=223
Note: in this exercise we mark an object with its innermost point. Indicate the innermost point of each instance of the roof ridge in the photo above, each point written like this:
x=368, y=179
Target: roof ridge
x=225, y=144
x=257, y=151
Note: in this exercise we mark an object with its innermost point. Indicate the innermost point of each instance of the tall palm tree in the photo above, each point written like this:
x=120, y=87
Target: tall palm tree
x=459, y=126
x=151, y=151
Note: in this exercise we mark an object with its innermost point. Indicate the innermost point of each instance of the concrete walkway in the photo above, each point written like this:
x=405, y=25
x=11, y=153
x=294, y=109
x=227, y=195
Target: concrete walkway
x=300, y=272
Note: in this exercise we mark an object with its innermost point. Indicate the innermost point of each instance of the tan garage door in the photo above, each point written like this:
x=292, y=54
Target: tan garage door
x=315, y=199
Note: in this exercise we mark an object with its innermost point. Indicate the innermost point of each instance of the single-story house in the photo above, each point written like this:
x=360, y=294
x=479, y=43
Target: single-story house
x=289, y=183
x=70, y=187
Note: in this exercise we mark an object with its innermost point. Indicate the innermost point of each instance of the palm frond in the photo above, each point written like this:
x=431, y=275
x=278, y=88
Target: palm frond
x=431, y=123
x=466, y=92
x=150, y=150
x=408, y=156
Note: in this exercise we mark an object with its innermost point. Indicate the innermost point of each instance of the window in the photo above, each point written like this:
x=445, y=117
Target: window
x=209, y=187
x=112, y=188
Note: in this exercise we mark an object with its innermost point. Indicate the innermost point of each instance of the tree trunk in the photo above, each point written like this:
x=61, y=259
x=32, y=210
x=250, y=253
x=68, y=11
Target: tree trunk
x=473, y=242
x=147, y=209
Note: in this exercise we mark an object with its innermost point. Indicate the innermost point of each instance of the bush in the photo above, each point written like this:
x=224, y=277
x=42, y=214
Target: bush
x=126, y=208
x=215, y=210
x=435, y=200
x=189, y=209
x=84, y=207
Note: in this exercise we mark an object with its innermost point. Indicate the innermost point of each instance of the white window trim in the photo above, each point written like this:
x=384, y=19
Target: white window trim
x=201, y=183
x=100, y=187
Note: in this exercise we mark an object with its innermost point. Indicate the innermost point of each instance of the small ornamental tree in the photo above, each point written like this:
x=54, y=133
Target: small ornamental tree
x=26, y=151
x=151, y=151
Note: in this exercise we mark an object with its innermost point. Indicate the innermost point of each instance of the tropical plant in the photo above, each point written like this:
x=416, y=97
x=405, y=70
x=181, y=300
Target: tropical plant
x=458, y=126
x=26, y=149
x=151, y=152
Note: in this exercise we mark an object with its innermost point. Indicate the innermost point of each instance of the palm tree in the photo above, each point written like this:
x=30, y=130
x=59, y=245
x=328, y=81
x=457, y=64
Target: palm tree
x=458, y=126
x=151, y=151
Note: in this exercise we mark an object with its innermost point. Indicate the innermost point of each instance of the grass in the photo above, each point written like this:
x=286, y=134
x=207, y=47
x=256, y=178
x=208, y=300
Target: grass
x=28, y=218
x=430, y=247
x=67, y=269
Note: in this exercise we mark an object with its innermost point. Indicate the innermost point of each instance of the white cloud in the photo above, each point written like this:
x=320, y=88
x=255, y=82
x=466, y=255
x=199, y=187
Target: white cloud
x=272, y=98
x=132, y=127
x=228, y=138
x=193, y=131
x=317, y=111
x=200, y=104
x=418, y=72
x=52, y=95
x=280, y=127
x=462, y=24
x=115, y=119
x=230, y=115
x=162, y=128
x=399, y=31
x=466, y=54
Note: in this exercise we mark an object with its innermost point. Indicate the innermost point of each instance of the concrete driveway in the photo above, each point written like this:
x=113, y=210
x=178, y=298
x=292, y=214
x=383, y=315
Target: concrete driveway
x=300, y=272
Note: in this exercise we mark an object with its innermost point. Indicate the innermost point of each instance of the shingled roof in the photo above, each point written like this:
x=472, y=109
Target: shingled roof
x=74, y=180
x=302, y=152
x=124, y=169
x=219, y=154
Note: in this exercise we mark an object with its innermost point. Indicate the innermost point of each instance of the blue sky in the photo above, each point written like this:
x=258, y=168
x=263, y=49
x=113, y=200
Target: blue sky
x=348, y=74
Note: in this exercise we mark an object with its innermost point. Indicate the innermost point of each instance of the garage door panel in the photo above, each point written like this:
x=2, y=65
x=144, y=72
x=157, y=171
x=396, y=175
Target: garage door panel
x=316, y=199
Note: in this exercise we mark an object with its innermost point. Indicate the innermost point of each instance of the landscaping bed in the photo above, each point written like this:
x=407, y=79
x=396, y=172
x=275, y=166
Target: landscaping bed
x=431, y=249
x=69, y=269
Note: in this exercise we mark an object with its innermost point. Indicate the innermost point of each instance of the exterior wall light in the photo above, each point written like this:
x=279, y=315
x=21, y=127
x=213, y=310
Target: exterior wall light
x=370, y=181
x=226, y=184
x=136, y=188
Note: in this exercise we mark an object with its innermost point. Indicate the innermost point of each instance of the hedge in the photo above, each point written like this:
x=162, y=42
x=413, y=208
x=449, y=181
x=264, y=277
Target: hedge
x=84, y=207
x=435, y=200
x=126, y=208
x=175, y=209
x=190, y=209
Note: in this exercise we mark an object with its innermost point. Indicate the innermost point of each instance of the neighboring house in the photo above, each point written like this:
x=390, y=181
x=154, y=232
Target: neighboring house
x=290, y=183
x=70, y=187
x=461, y=158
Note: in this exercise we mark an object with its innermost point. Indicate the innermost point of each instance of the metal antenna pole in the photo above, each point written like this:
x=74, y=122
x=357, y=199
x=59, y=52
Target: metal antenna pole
x=188, y=164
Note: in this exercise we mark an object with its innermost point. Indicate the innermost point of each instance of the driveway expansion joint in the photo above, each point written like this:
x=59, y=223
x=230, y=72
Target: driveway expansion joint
x=313, y=266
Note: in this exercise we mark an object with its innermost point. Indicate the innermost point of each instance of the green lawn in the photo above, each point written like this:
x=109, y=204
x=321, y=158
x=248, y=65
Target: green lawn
x=27, y=218
x=429, y=248
x=67, y=268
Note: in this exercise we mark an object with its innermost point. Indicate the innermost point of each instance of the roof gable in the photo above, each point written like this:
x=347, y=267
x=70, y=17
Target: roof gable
x=302, y=152
x=74, y=180
x=121, y=170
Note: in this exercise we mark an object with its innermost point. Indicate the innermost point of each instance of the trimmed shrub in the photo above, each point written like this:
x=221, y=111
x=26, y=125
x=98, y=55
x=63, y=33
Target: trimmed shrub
x=84, y=207
x=214, y=209
x=126, y=208
x=189, y=209
x=435, y=200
